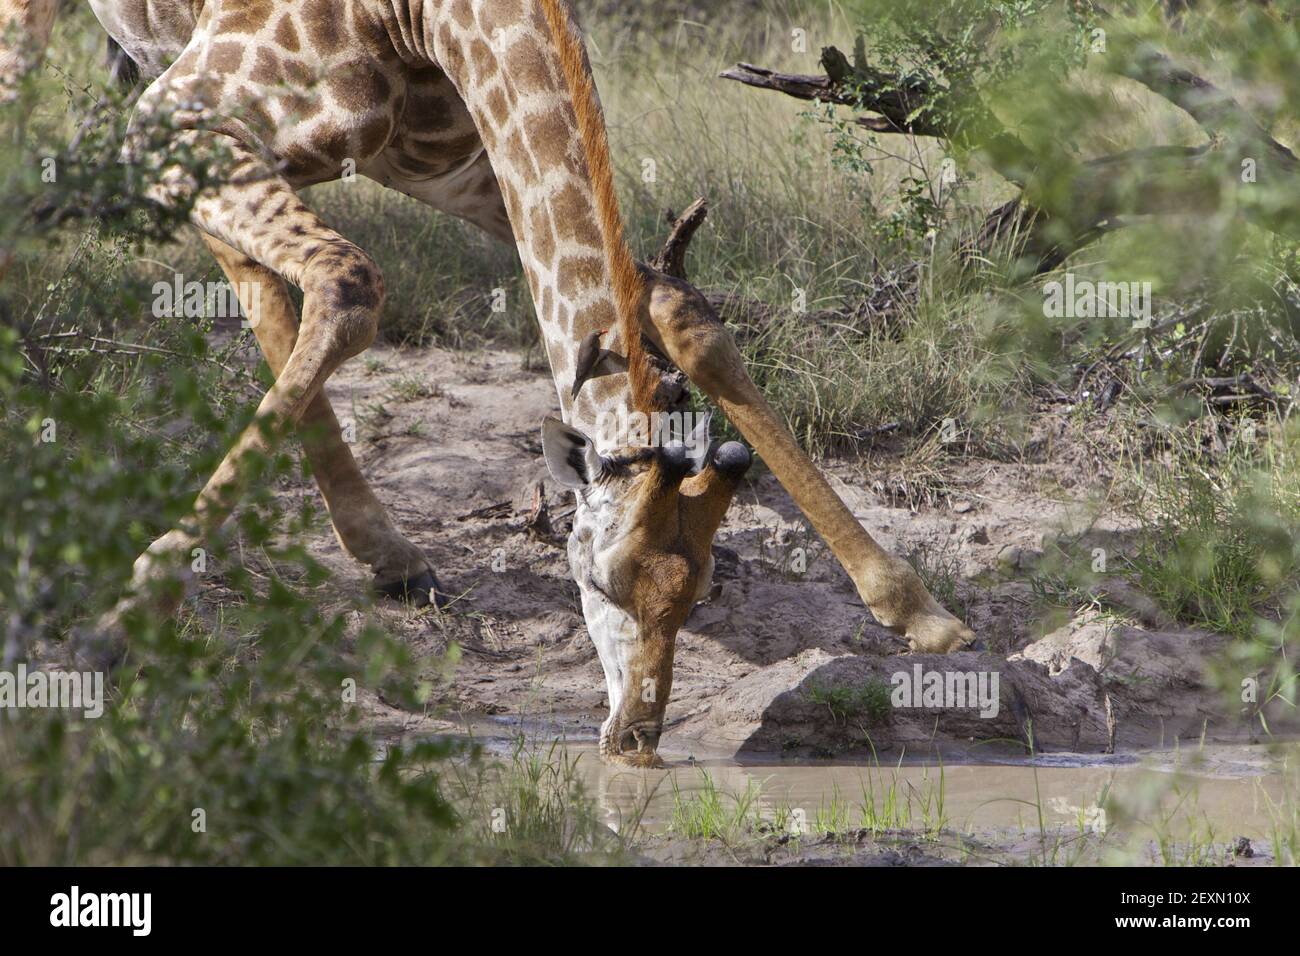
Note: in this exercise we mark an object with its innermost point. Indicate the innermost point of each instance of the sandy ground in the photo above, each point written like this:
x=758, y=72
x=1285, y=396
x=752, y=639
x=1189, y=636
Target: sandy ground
x=772, y=661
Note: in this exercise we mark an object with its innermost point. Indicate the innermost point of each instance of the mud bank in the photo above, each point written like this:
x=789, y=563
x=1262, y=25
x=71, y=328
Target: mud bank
x=783, y=657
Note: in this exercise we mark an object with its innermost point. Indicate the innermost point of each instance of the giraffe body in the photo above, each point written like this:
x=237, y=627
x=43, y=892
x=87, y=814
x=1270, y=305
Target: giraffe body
x=484, y=110
x=327, y=86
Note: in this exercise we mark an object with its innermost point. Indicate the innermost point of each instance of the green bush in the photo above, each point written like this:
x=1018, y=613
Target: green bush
x=232, y=733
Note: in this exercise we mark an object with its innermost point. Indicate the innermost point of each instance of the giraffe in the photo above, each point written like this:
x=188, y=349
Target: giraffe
x=485, y=110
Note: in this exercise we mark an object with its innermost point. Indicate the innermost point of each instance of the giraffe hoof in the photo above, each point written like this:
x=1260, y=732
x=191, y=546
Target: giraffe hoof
x=419, y=591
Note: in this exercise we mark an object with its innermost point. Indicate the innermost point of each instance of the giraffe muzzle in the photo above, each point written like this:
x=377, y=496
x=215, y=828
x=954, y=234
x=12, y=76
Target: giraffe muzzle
x=642, y=739
x=637, y=744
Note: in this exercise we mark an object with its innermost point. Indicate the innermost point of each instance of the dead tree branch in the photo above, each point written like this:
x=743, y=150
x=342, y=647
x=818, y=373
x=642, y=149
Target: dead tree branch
x=1104, y=193
x=902, y=107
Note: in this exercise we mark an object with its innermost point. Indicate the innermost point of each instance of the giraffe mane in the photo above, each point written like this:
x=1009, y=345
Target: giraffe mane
x=629, y=286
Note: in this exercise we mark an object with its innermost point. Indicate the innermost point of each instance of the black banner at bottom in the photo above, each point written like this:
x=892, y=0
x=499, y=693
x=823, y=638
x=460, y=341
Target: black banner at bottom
x=344, y=905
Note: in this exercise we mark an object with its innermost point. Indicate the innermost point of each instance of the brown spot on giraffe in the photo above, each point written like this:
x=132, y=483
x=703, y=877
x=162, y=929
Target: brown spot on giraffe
x=511, y=197
x=300, y=77
x=332, y=142
x=579, y=274
x=243, y=16
x=598, y=315
x=572, y=216
x=543, y=236
x=301, y=163
x=324, y=31
x=550, y=152
x=257, y=114
x=358, y=86
x=374, y=135
x=497, y=107
x=530, y=72
x=463, y=13
x=523, y=166
x=225, y=59
x=496, y=15
x=301, y=108
x=268, y=68
x=484, y=60
x=286, y=34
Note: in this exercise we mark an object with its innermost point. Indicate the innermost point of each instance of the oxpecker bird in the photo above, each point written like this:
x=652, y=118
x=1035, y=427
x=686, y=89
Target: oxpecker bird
x=588, y=357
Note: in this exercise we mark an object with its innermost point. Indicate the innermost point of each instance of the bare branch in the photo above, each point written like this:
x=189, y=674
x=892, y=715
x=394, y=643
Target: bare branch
x=801, y=86
x=1104, y=193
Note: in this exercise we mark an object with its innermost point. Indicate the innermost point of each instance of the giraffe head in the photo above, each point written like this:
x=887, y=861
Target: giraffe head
x=641, y=554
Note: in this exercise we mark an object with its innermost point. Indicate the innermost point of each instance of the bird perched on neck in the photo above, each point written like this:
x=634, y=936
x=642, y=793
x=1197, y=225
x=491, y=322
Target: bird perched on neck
x=589, y=356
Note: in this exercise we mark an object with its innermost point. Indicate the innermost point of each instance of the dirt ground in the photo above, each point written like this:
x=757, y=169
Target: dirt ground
x=776, y=659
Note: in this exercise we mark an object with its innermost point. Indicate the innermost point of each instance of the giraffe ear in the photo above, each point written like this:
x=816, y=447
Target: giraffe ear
x=571, y=456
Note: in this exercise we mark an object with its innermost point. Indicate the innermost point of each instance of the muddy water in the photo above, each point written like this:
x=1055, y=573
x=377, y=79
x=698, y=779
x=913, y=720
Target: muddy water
x=967, y=797
x=1209, y=794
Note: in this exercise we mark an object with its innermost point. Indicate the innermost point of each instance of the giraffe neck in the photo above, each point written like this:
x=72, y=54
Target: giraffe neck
x=505, y=60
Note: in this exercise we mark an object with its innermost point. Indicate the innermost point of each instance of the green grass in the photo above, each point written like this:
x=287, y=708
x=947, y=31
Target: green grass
x=1284, y=832
x=866, y=704
x=939, y=568
x=710, y=813
x=889, y=807
x=1218, y=545
x=410, y=388
x=532, y=808
x=893, y=803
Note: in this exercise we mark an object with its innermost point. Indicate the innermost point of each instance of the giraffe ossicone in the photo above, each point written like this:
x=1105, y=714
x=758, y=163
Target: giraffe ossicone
x=485, y=110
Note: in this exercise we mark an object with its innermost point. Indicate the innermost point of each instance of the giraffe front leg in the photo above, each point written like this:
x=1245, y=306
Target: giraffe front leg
x=343, y=293
x=685, y=328
x=361, y=524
